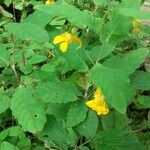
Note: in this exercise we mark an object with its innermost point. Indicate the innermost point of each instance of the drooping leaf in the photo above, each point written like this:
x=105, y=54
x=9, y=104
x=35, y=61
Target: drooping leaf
x=76, y=114
x=27, y=31
x=116, y=140
x=129, y=61
x=27, y=110
x=114, y=84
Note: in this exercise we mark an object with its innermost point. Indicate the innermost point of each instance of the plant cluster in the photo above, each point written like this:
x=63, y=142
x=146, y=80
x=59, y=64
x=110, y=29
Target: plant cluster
x=74, y=75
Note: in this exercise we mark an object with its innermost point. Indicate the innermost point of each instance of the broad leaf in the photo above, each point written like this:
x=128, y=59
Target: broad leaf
x=56, y=135
x=27, y=31
x=116, y=140
x=100, y=52
x=114, y=84
x=133, y=9
x=75, y=16
x=56, y=92
x=129, y=61
x=29, y=112
x=39, y=18
x=76, y=114
x=89, y=126
x=115, y=120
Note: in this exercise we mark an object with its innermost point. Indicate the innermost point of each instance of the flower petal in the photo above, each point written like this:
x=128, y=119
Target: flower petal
x=64, y=46
x=58, y=39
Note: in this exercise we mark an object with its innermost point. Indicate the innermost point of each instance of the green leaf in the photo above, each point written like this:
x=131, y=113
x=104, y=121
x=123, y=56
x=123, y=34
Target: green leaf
x=75, y=16
x=114, y=84
x=115, y=120
x=74, y=59
x=144, y=101
x=39, y=18
x=76, y=114
x=117, y=29
x=89, y=126
x=56, y=92
x=27, y=31
x=54, y=133
x=100, y=52
x=37, y=59
x=55, y=109
x=4, y=56
x=116, y=140
x=133, y=9
x=7, y=146
x=4, y=102
x=141, y=80
x=129, y=61
x=29, y=112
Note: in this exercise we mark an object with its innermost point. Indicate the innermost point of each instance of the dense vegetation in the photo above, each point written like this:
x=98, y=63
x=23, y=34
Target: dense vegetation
x=74, y=75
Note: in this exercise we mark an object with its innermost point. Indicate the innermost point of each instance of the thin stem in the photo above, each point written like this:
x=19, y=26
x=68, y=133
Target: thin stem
x=14, y=58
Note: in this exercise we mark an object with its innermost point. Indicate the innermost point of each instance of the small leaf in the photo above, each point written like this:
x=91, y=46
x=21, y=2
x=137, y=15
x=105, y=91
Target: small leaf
x=4, y=56
x=37, y=59
x=144, y=101
x=4, y=102
x=141, y=80
x=7, y=146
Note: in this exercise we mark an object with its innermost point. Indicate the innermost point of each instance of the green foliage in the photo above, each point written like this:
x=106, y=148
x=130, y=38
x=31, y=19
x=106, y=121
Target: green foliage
x=74, y=15
x=23, y=31
x=115, y=139
x=29, y=112
x=7, y=146
x=129, y=61
x=72, y=119
x=119, y=92
x=140, y=80
x=44, y=92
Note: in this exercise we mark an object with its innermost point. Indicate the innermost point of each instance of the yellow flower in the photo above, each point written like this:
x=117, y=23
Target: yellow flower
x=65, y=40
x=98, y=104
x=136, y=26
x=49, y=2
